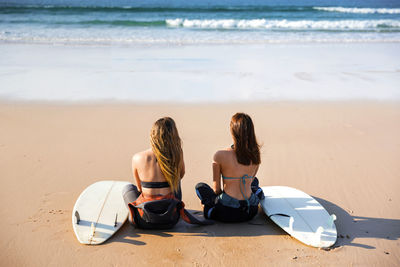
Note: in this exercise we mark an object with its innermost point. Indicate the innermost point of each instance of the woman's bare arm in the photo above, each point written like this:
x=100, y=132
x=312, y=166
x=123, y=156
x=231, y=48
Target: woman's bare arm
x=216, y=174
x=135, y=172
x=182, y=168
x=255, y=173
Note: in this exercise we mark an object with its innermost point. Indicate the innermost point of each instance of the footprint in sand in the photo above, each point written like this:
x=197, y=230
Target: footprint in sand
x=49, y=208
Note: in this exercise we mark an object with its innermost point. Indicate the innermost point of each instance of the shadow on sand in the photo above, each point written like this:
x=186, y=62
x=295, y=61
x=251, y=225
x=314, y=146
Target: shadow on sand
x=260, y=225
x=348, y=227
x=351, y=227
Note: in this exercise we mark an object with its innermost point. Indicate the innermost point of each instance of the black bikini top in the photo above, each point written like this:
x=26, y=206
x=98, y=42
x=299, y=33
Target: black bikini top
x=154, y=184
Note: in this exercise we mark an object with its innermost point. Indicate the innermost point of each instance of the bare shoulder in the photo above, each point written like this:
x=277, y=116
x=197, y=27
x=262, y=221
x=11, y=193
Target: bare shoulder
x=223, y=155
x=145, y=155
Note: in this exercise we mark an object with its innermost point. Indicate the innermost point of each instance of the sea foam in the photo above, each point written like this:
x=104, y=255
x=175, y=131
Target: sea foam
x=359, y=10
x=283, y=24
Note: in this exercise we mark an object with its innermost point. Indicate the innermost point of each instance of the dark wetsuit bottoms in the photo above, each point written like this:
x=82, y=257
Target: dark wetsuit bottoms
x=225, y=208
x=130, y=193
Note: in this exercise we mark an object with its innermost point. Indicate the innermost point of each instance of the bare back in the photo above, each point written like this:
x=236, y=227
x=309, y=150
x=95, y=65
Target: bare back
x=225, y=164
x=146, y=169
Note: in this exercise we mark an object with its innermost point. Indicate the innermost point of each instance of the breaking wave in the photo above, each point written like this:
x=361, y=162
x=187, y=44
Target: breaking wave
x=359, y=10
x=284, y=24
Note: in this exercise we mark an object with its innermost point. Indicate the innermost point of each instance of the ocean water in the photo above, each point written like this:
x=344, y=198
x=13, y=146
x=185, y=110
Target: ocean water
x=198, y=22
x=199, y=51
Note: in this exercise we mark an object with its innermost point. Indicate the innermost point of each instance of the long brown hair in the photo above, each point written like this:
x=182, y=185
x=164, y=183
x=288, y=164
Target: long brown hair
x=167, y=148
x=244, y=139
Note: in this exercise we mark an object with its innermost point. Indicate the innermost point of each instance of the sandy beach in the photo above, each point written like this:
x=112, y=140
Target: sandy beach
x=82, y=82
x=345, y=154
x=200, y=73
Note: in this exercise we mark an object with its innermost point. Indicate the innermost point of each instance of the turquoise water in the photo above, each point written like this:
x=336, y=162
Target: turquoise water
x=199, y=22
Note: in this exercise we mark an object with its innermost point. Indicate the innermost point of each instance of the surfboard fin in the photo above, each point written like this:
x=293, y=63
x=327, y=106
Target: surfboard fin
x=116, y=217
x=92, y=229
x=291, y=221
x=319, y=232
x=332, y=219
x=77, y=217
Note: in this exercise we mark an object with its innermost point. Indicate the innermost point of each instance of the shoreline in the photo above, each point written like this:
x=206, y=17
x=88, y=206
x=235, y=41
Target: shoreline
x=81, y=85
x=312, y=72
x=205, y=44
x=108, y=102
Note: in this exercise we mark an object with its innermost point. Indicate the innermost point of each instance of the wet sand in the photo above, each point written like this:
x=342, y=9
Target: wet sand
x=346, y=154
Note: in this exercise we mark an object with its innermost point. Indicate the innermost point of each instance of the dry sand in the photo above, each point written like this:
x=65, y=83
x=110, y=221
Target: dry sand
x=347, y=155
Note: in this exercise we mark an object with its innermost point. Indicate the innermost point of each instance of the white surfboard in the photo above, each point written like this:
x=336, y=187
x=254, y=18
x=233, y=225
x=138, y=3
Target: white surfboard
x=99, y=212
x=300, y=215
